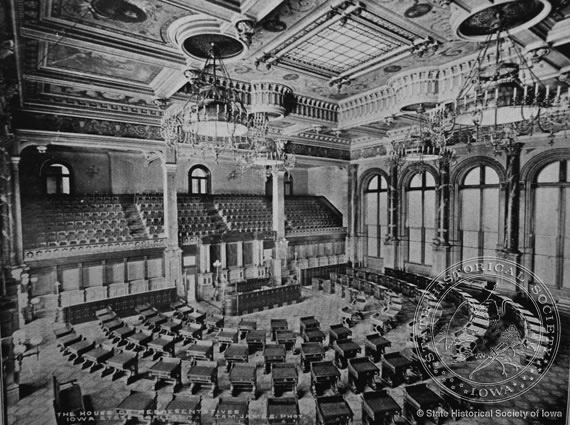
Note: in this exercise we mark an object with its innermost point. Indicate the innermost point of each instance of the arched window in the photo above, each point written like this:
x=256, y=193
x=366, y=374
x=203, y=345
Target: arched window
x=375, y=214
x=57, y=179
x=199, y=178
x=479, y=218
x=420, y=223
x=551, y=224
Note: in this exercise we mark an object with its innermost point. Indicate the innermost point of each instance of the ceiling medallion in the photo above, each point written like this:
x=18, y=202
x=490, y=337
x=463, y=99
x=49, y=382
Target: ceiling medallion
x=507, y=15
x=392, y=68
x=118, y=10
x=195, y=34
x=274, y=24
x=291, y=77
x=418, y=10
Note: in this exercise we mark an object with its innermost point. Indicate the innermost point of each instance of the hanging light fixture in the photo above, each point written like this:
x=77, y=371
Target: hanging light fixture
x=424, y=143
x=214, y=116
x=501, y=97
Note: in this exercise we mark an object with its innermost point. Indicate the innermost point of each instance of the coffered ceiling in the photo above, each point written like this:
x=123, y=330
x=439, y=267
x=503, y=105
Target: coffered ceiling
x=109, y=59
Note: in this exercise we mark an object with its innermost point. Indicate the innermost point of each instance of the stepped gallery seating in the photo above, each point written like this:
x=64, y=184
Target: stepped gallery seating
x=57, y=220
x=62, y=220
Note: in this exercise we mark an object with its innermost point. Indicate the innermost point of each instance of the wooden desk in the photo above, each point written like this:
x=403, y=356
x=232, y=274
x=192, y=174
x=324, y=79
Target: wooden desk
x=284, y=377
x=226, y=337
x=168, y=370
x=95, y=358
x=375, y=346
x=278, y=325
x=197, y=317
x=112, y=325
x=156, y=321
x=313, y=335
x=255, y=340
x=236, y=353
x=119, y=363
x=190, y=332
x=67, y=340
x=324, y=375
x=161, y=345
x=287, y=338
x=245, y=326
x=231, y=411
x=338, y=333
x=344, y=350
x=308, y=322
x=243, y=376
x=333, y=410
x=107, y=317
x=283, y=411
x=138, y=341
x=137, y=404
x=379, y=408
x=273, y=353
x=148, y=313
x=201, y=350
x=183, y=409
x=122, y=332
x=396, y=369
x=421, y=397
x=76, y=350
x=61, y=332
x=204, y=374
x=214, y=322
x=311, y=352
x=362, y=372
x=170, y=327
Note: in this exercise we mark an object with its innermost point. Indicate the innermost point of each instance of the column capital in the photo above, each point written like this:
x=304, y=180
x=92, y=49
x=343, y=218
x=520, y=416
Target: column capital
x=513, y=149
x=278, y=172
x=15, y=159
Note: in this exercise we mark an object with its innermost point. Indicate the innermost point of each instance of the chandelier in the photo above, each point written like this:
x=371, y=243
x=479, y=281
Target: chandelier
x=214, y=116
x=425, y=142
x=501, y=98
x=267, y=156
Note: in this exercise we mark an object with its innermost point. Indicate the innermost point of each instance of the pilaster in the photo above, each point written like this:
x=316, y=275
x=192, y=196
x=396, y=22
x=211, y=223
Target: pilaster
x=17, y=212
x=172, y=253
x=353, y=214
x=278, y=206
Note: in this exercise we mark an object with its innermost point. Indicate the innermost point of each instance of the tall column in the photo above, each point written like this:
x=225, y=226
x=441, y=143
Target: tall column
x=392, y=241
x=512, y=214
x=17, y=212
x=512, y=184
x=353, y=209
x=441, y=247
x=278, y=206
x=172, y=253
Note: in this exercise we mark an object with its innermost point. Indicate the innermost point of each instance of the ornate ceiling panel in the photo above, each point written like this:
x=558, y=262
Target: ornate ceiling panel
x=88, y=63
x=140, y=19
x=115, y=56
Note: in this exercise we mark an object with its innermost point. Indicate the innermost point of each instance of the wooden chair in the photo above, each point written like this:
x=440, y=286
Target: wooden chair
x=67, y=400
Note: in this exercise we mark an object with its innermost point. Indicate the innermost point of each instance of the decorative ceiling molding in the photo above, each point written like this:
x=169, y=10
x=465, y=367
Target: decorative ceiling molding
x=434, y=84
x=343, y=43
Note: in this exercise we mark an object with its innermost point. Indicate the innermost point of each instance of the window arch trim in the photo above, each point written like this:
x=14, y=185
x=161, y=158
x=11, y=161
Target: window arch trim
x=532, y=168
x=467, y=165
x=207, y=178
x=410, y=171
x=368, y=175
x=44, y=173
